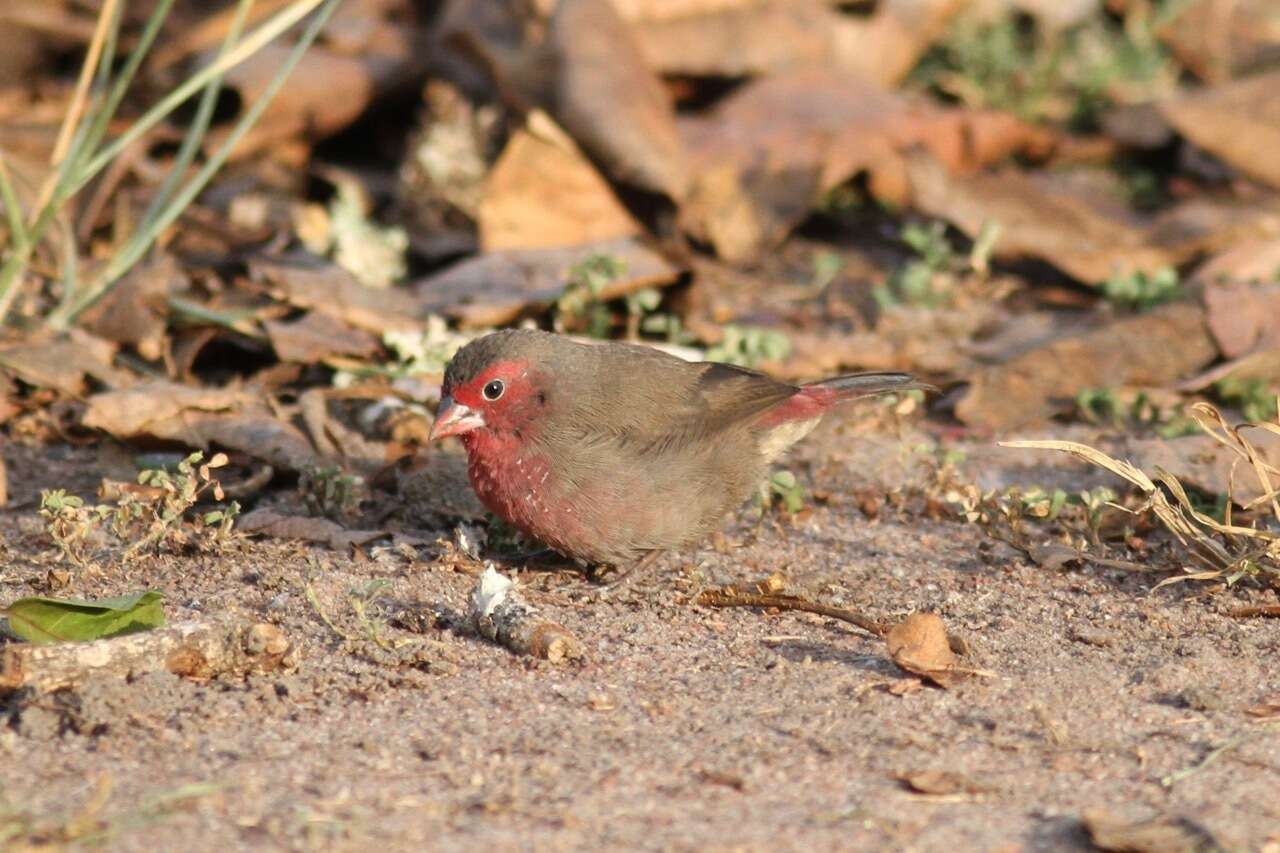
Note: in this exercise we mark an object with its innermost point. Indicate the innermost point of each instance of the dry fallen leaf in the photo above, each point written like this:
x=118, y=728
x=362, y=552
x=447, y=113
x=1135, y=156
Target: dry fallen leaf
x=316, y=336
x=544, y=193
x=136, y=310
x=1163, y=834
x=305, y=107
x=1241, y=299
x=941, y=782
x=267, y=522
x=63, y=363
x=495, y=288
x=329, y=289
x=233, y=418
x=1268, y=709
x=1238, y=122
x=1155, y=348
x=610, y=100
x=764, y=155
x=741, y=39
x=919, y=645
x=1218, y=38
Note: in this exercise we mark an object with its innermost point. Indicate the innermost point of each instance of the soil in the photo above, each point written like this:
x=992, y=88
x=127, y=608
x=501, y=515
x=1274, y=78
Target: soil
x=685, y=727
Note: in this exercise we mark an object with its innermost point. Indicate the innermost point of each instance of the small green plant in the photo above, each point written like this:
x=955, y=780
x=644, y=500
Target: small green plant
x=1141, y=291
x=1254, y=397
x=1067, y=76
x=426, y=351
x=826, y=268
x=331, y=492
x=929, y=279
x=151, y=515
x=1108, y=408
x=641, y=305
x=750, y=346
x=580, y=307
x=781, y=487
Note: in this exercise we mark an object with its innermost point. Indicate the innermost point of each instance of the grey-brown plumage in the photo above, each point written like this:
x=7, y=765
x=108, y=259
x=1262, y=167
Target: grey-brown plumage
x=608, y=451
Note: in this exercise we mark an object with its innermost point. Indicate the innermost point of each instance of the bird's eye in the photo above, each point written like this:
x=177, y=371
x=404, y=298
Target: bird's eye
x=494, y=389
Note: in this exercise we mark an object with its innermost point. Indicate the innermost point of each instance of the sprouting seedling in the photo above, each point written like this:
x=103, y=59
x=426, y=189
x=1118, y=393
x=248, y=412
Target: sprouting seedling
x=781, y=486
x=749, y=346
x=580, y=306
x=929, y=279
x=1141, y=291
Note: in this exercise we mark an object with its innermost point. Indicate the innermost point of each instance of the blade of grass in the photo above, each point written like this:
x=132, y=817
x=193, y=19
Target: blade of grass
x=12, y=208
x=108, y=20
x=70, y=182
x=143, y=238
x=199, y=124
x=102, y=119
x=250, y=45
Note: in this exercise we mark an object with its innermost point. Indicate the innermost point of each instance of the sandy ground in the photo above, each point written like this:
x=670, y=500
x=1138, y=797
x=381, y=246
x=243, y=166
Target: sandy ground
x=686, y=728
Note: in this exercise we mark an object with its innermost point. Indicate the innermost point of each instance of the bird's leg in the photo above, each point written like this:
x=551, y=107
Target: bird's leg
x=597, y=573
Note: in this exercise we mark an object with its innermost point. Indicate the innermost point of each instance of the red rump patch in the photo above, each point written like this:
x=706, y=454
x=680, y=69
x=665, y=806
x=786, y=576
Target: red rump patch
x=809, y=402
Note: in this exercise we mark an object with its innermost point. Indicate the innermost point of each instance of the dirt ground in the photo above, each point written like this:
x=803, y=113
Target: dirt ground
x=686, y=727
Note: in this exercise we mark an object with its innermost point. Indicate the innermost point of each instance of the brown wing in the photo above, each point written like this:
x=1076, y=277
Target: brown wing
x=641, y=401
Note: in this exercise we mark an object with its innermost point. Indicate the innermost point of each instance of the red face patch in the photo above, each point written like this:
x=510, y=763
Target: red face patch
x=502, y=393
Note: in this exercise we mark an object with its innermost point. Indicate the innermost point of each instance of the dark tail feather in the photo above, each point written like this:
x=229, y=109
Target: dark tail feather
x=864, y=384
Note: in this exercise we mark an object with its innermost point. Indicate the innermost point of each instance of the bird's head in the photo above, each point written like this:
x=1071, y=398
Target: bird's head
x=498, y=384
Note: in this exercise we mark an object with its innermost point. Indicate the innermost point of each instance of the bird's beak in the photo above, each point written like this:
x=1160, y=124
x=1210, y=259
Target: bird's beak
x=454, y=419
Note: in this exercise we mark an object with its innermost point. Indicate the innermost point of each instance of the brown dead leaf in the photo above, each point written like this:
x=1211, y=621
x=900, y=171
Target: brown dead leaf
x=941, y=782
x=1238, y=122
x=232, y=418
x=495, y=288
x=739, y=39
x=1219, y=38
x=791, y=137
x=267, y=522
x=1154, y=349
x=306, y=106
x=769, y=36
x=1267, y=709
x=611, y=101
x=63, y=363
x=544, y=193
x=1162, y=834
x=329, y=289
x=1241, y=300
x=885, y=47
x=919, y=645
x=1038, y=217
x=316, y=336
x=135, y=311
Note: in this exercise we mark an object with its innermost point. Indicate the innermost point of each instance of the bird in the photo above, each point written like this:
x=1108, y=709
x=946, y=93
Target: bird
x=610, y=453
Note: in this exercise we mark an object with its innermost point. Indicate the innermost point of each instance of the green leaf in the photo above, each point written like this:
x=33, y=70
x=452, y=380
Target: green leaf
x=50, y=620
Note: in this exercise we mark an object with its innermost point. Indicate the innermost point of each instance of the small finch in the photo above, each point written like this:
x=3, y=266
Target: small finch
x=608, y=452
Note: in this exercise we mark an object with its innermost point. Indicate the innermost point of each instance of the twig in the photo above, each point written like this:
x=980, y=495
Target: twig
x=1257, y=610
x=500, y=614
x=198, y=650
x=730, y=597
x=1214, y=755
